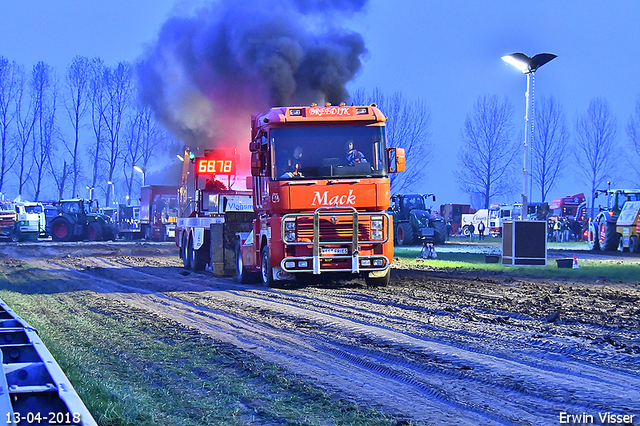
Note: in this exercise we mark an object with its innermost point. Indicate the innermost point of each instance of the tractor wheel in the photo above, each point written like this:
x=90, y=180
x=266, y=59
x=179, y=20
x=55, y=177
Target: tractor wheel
x=634, y=244
x=382, y=281
x=440, y=235
x=186, y=255
x=592, y=236
x=94, y=233
x=608, y=237
x=465, y=231
x=243, y=275
x=61, y=230
x=198, y=256
x=404, y=236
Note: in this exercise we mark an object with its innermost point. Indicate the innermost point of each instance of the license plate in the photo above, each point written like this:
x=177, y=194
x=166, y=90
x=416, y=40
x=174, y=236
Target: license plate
x=334, y=251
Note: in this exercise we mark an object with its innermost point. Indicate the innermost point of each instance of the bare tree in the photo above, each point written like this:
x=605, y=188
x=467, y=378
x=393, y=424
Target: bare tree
x=97, y=100
x=25, y=120
x=76, y=104
x=633, y=133
x=9, y=92
x=548, y=146
x=118, y=86
x=144, y=137
x=486, y=159
x=408, y=127
x=44, y=93
x=595, y=146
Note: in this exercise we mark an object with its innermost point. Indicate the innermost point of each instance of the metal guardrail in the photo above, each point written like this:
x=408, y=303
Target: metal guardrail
x=33, y=388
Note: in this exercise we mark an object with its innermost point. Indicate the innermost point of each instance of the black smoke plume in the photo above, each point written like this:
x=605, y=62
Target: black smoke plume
x=209, y=71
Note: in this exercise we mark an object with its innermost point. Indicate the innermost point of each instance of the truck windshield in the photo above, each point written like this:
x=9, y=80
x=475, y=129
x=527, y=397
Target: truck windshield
x=328, y=152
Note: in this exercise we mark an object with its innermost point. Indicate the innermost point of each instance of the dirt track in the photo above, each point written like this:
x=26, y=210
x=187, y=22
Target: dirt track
x=443, y=347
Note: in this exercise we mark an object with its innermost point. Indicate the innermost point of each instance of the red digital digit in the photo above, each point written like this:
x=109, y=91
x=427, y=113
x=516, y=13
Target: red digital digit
x=218, y=166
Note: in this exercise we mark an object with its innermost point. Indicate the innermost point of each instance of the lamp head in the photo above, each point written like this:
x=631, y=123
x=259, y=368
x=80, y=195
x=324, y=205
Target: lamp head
x=526, y=64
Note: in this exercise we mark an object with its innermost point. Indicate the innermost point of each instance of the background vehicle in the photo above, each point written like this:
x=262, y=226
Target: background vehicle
x=155, y=218
x=498, y=213
x=210, y=221
x=79, y=219
x=481, y=215
x=21, y=221
x=603, y=234
x=453, y=213
x=628, y=227
x=414, y=223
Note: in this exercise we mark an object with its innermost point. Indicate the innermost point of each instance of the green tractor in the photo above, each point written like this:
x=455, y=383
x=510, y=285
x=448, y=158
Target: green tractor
x=79, y=220
x=414, y=223
x=602, y=228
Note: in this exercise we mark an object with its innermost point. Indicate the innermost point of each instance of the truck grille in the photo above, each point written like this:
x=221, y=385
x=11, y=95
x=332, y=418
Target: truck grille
x=341, y=231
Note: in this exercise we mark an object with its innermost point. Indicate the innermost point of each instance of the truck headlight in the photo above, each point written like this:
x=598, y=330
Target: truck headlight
x=289, y=225
x=289, y=236
x=376, y=235
x=376, y=223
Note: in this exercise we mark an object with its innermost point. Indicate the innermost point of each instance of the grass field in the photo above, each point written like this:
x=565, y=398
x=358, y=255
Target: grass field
x=613, y=270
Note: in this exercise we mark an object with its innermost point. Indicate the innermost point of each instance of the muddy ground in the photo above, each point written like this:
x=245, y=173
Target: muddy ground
x=437, y=346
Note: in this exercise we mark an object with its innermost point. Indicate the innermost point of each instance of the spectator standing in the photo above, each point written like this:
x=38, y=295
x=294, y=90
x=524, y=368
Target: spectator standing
x=472, y=230
x=566, y=230
x=481, y=228
x=557, y=228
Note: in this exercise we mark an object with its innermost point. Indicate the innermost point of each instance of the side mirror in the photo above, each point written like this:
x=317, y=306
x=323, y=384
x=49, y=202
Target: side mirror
x=256, y=165
x=396, y=159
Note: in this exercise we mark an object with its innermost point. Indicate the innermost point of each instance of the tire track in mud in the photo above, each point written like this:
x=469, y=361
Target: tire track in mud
x=318, y=335
x=395, y=349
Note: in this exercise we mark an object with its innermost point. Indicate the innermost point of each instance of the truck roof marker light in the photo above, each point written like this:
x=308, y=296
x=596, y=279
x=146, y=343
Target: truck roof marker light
x=313, y=105
x=295, y=112
x=328, y=104
x=342, y=104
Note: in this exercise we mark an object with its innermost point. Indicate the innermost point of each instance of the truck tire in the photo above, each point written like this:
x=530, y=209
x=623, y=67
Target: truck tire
x=592, y=235
x=184, y=250
x=440, y=235
x=15, y=236
x=608, y=237
x=94, y=232
x=634, y=244
x=465, y=231
x=242, y=274
x=198, y=256
x=378, y=281
x=404, y=234
x=266, y=272
x=61, y=230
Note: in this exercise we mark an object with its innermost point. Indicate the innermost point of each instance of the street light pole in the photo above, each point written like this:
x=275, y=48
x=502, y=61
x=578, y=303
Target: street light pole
x=141, y=170
x=528, y=66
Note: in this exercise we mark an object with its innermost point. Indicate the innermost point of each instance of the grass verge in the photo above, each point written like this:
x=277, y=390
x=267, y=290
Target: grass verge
x=612, y=270
x=133, y=368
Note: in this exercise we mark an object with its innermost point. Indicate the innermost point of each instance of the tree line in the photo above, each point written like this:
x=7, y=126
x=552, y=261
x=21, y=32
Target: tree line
x=82, y=131
x=489, y=157
x=86, y=129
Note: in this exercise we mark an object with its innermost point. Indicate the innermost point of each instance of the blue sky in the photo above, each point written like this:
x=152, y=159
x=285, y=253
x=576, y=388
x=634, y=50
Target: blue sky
x=447, y=53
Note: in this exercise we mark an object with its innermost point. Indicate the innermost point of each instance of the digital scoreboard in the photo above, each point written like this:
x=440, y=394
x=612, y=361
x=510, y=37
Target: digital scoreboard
x=215, y=165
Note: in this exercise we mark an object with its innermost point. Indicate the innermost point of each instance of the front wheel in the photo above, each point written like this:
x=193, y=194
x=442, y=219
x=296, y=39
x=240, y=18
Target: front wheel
x=374, y=280
x=61, y=230
x=608, y=235
x=634, y=244
x=266, y=271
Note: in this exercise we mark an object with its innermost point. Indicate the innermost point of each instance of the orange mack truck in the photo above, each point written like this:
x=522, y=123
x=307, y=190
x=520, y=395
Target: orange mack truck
x=320, y=192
